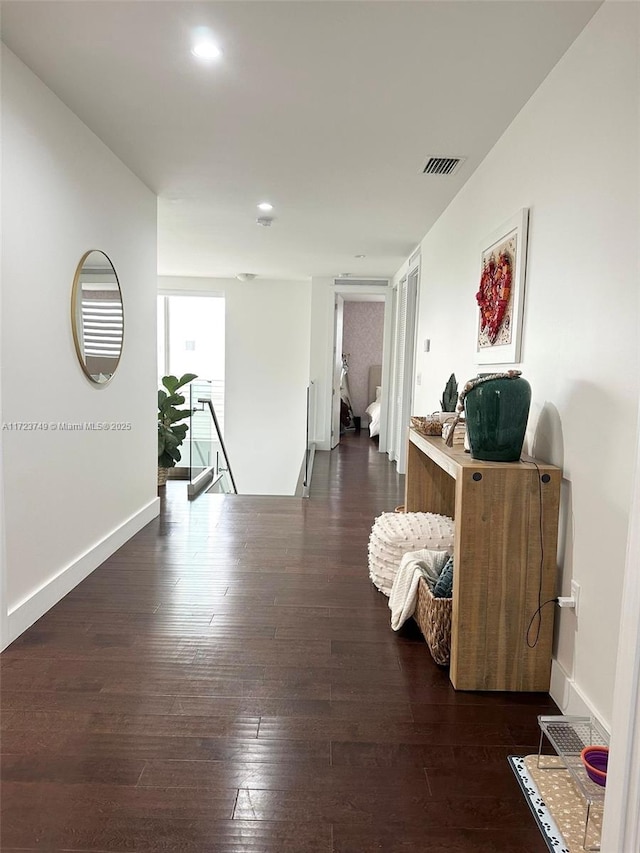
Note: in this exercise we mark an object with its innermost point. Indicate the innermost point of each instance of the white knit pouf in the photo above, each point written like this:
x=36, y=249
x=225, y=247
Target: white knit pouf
x=395, y=533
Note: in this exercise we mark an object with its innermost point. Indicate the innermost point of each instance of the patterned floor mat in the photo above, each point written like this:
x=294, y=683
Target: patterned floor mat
x=557, y=805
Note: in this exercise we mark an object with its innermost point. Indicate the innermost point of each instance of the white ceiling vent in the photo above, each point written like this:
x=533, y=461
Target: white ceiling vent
x=443, y=165
x=363, y=282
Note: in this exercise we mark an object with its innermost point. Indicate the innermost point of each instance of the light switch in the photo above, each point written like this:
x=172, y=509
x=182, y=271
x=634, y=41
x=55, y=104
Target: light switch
x=427, y=344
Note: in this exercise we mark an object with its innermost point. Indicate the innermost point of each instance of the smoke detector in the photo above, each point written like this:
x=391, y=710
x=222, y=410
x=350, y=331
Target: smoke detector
x=246, y=276
x=265, y=221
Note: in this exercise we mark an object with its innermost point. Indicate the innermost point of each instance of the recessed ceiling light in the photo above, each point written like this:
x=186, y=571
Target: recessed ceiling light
x=359, y=256
x=265, y=205
x=206, y=49
x=204, y=46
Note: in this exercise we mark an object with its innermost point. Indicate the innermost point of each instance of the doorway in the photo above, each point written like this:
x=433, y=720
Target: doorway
x=359, y=350
x=191, y=339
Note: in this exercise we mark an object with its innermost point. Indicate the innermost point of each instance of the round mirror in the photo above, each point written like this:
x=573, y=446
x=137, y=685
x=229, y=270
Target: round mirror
x=97, y=316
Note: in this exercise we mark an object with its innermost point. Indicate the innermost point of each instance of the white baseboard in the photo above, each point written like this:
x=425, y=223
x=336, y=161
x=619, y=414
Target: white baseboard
x=36, y=605
x=568, y=696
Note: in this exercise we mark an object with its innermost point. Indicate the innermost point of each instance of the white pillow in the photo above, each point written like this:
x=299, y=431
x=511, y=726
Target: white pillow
x=378, y=391
x=395, y=533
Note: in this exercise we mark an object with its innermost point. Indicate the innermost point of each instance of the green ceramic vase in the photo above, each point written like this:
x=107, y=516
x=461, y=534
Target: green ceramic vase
x=496, y=412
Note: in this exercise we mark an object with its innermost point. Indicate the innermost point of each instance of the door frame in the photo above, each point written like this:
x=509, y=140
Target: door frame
x=398, y=436
x=338, y=331
x=621, y=825
x=358, y=293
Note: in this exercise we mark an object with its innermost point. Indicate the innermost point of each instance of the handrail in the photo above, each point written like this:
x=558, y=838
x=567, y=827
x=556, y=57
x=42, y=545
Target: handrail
x=222, y=445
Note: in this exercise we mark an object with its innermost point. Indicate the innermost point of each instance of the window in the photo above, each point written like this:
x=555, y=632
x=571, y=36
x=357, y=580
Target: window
x=191, y=340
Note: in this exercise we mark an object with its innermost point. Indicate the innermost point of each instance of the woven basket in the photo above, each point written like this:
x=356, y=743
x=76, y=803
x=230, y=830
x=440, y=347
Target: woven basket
x=433, y=616
x=163, y=474
x=426, y=426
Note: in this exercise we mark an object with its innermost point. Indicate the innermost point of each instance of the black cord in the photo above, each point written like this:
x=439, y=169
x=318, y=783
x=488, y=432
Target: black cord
x=535, y=642
x=537, y=613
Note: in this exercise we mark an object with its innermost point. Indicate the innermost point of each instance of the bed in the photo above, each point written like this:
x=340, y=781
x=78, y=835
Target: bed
x=375, y=389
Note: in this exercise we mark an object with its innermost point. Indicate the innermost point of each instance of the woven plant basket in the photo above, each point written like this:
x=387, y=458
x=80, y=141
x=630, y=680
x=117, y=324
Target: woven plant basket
x=433, y=616
x=163, y=474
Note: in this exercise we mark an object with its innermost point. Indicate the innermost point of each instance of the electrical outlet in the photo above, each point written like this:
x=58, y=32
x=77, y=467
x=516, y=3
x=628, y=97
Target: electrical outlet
x=575, y=594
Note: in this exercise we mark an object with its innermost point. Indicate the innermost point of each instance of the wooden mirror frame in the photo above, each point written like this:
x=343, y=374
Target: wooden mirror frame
x=78, y=338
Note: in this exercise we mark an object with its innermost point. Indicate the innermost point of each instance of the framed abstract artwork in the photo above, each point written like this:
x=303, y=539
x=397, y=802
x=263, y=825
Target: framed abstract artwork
x=500, y=296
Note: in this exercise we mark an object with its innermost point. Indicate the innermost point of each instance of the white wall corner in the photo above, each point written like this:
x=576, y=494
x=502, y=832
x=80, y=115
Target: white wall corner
x=28, y=611
x=568, y=696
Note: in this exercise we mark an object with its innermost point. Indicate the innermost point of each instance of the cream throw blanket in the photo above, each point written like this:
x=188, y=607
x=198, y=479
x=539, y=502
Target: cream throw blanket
x=404, y=592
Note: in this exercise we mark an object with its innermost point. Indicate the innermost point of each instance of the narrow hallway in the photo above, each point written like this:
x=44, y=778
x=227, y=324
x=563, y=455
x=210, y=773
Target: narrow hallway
x=228, y=682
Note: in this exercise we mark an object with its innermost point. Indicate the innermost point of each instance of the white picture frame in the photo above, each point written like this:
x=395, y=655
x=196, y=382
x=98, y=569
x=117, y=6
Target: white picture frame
x=511, y=239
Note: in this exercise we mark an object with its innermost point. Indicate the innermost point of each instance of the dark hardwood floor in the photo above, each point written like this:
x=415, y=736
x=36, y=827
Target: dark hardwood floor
x=228, y=682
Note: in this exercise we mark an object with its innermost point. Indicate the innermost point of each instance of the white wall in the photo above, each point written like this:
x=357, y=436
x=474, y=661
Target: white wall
x=267, y=371
x=571, y=157
x=71, y=497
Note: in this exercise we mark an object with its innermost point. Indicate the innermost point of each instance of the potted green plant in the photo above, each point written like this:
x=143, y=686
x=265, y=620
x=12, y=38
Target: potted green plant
x=450, y=395
x=171, y=433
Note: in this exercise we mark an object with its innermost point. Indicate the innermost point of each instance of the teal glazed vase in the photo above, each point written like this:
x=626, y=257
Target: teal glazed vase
x=496, y=414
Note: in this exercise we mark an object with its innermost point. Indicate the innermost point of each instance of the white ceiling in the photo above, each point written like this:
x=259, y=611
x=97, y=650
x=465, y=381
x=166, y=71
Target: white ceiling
x=327, y=109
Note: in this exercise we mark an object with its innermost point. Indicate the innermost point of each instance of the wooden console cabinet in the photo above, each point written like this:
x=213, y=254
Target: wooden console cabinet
x=506, y=535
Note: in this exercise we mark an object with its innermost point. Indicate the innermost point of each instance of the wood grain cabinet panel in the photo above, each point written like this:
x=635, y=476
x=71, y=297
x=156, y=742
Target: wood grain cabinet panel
x=506, y=538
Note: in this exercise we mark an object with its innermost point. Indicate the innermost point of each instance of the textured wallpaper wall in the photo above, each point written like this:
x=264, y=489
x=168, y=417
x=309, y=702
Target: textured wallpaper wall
x=362, y=340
